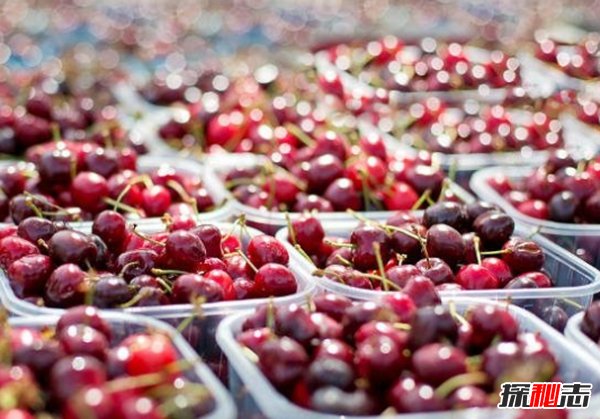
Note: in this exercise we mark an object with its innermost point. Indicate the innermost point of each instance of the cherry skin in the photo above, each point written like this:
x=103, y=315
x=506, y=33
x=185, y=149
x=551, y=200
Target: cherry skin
x=211, y=238
x=282, y=361
x=36, y=228
x=499, y=269
x=66, y=286
x=435, y=269
x=83, y=340
x=330, y=372
x=407, y=396
x=13, y=248
x=148, y=354
x=86, y=315
x=29, y=274
x=111, y=227
x=188, y=287
x=275, y=280
x=156, y=200
x=265, y=249
x=449, y=213
x=88, y=190
x=476, y=277
x=436, y=363
x=489, y=322
x=69, y=246
x=135, y=263
x=446, y=243
x=295, y=322
x=535, y=208
x=402, y=305
x=523, y=256
x=331, y=304
x=225, y=282
x=184, y=249
x=342, y=195
x=73, y=373
x=494, y=228
x=379, y=359
x=308, y=233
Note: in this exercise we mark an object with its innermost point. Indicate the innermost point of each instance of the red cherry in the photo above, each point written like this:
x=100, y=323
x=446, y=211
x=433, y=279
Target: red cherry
x=88, y=190
x=149, y=354
x=476, y=277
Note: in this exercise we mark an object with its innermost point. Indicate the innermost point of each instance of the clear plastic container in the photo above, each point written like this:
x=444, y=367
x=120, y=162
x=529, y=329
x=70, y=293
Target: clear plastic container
x=574, y=333
x=145, y=164
x=200, y=333
x=569, y=236
x=576, y=282
x=123, y=325
x=268, y=221
x=254, y=394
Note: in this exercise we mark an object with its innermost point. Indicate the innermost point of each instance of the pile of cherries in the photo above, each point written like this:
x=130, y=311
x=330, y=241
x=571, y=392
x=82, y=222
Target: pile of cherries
x=48, y=264
x=426, y=66
x=392, y=356
x=44, y=117
x=452, y=247
x=472, y=127
x=72, y=180
x=580, y=59
x=81, y=368
x=333, y=175
x=563, y=190
x=185, y=87
x=257, y=114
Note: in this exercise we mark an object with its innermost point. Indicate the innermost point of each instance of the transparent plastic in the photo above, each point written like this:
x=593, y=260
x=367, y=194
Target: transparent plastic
x=269, y=221
x=123, y=325
x=576, y=282
x=569, y=236
x=200, y=333
x=574, y=333
x=253, y=393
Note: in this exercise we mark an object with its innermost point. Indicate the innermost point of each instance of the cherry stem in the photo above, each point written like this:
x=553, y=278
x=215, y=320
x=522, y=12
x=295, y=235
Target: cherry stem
x=461, y=380
x=297, y=132
x=386, y=282
x=291, y=231
x=252, y=266
x=403, y=231
x=344, y=261
x=147, y=380
x=145, y=237
x=164, y=284
x=29, y=202
x=126, y=266
x=127, y=188
x=270, y=314
x=424, y=196
x=379, y=259
x=55, y=128
x=197, y=313
x=496, y=252
x=476, y=244
x=304, y=254
x=339, y=244
x=122, y=206
x=401, y=258
x=402, y=326
x=324, y=272
x=142, y=293
x=185, y=197
x=455, y=314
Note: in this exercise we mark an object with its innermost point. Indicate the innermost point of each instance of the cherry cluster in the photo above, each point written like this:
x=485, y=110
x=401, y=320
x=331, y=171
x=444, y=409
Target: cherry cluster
x=563, y=190
x=396, y=355
x=45, y=117
x=275, y=115
x=331, y=175
x=73, y=180
x=578, y=59
x=452, y=247
x=440, y=127
x=79, y=369
x=49, y=264
x=426, y=66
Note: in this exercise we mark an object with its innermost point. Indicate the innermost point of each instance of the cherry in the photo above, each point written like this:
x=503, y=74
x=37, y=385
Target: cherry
x=333, y=372
x=138, y=407
x=36, y=228
x=74, y=373
x=402, y=305
x=563, y=206
x=211, y=238
x=379, y=359
x=69, y=246
x=469, y=397
x=111, y=227
x=407, y=396
x=449, y=213
x=39, y=356
x=438, y=271
x=400, y=275
x=339, y=402
x=188, y=287
x=432, y=324
x=84, y=315
x=331, y=304
x=322, y=171
x=91, y=399
x=312, y=202
x=535, y=208
x=110, y=291
x=136, y=262
x=476, y=277
x=592, y=208
x=66, y=286
x=55, y=167
x=540, y=279
x=155, y=200
x=343, y=196
x=293, y=321
x=282, y=361
x=400, y=196
x=184, y=249
x=366, y=239
x=490, y=322
x=499, y=269
x=103, y=161
x=523, y=256
x=149, y=354
x=13, y=248
x=334, y=348
x=435, y=363
x=555, y=316
x=477, y=208
x=88, y=190
x=405, y=244
x=265, y=249
x=494, y=228
x=225, y=282
x=83, y=340
x=308, y=233
x=446, y=243
x=274, y=280
x=590, y=324
x=28, y=275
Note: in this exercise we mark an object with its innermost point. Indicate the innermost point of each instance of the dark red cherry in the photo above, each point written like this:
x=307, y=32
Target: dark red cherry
x=265, y=249
x=188, y=287
x=85, y=315
x=211, y=238
x=69, y=246
x=83, y=340
x=73, y=373
x=275, y=280
x=66, y=286
x=523, y=256
x=185, y=249
x=282, y=361
x=490, y=322
x=308, y=233
x=446, y=243
x=407, y=396
x=435, y=269
x=476, y=277
x=111, y=227
x=435, y=363
x=28, y=275
x=379, y=359
x=493, y=228
x=449, y=213
x=36, y=228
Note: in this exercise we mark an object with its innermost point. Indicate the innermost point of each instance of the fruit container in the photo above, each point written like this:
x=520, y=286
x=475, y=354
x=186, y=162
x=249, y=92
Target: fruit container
x=146, y=164
x=576, y=282
x=198, y=323
x=256, y=397
x=569, y=236
x=269, y=221
x=574, y=333
x=124, y=325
